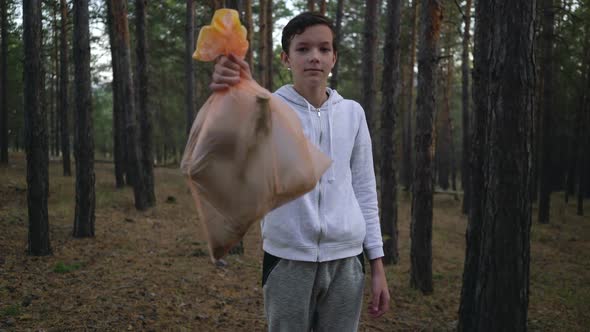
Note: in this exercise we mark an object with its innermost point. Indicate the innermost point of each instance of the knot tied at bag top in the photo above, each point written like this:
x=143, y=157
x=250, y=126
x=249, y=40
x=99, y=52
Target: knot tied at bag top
x=246, y=153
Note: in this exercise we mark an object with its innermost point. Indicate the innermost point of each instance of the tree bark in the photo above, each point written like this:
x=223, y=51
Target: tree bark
x=127, y=93
x=36, y=133
x=269, y=49
x=465, y=107
x=311, y=5
x=84, y=132
x=323, y=5
x=63, y=90
x=337, y=40
x=54, y=83
x=189, y=101
x=583, y=139
x=119, y=138
x=145, y=114
x=3, y=82
x=545, y=166
x=250, y=30
x=265, y=50
x=369, y=67
x=390, y=88
x=407, y=161
x=444, y=140
x=421, y=227
x=496, y=277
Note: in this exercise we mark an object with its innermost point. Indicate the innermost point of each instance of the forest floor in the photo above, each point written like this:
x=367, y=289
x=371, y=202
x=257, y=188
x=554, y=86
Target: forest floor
x=151, y=271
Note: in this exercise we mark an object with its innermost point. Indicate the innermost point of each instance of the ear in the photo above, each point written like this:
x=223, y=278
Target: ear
x=285, y=59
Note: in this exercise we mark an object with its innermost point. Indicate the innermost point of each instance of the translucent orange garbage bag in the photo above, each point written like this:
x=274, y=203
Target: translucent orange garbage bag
x=246, y=153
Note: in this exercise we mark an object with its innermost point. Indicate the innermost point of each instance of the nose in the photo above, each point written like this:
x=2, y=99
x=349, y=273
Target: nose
x=314, y=55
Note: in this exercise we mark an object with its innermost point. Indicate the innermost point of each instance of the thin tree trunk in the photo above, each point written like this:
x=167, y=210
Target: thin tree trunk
x=407, y=161
x=145, y=114
x=421, y=226
x=269, y=49
x=390, y=88
x=250, y=30
x=583, y=138
x=36, y=133
x=126, y=91
x=63, y=91
x=496, y=276
x=84, y=132
x=3, y=82
x=189, y=99
x=54, y=83
x=444, y=125
x=545, y=169
x=118, y=110
x=323, y=5
x=311, y=5
x=466, y=106
x=337, y=40
x=369, y=66
x=262, y=45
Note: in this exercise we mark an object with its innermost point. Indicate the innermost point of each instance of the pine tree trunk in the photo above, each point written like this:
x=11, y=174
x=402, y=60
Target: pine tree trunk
x=421, y=226
x=545, y=169
x=189, y=101
x=444, y=121
x=262, y=45
x=63, y=90
x=269, y=50
x=407, y=164
x=54, y=83
x=466, y=106
x=496, y=276
x=323, y=5
x=583, y=139
x=311, y=5
x=337, y=40
x=118, y=110
x=3, y=82
x=250, y=30
x=145, y=115
x=127, y=93
x=36, y=133
x=390, y=88
x=369, y=68
x=83, y=124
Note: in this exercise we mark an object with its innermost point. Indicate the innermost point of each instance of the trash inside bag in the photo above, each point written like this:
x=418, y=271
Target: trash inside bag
x=246, y=153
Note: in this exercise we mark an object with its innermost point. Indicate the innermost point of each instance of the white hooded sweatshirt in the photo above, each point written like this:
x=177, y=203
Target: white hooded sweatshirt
x=339, y=217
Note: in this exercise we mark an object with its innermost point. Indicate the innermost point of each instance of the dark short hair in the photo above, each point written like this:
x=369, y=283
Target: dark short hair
x=299, y=23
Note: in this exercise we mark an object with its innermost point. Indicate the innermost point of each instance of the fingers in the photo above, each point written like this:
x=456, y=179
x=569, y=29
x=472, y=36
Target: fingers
x=243, y=65
x=379, y=304
x=228, y=71
x=225, y=74
x=218, y=87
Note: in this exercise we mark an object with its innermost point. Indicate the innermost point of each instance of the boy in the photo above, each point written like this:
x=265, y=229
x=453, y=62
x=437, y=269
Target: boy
x=313, y=273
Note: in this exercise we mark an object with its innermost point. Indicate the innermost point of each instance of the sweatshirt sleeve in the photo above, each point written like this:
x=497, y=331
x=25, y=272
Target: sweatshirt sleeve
x=364, y=186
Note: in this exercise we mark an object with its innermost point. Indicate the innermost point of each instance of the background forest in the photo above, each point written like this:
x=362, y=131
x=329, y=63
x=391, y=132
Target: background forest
x=96, y=138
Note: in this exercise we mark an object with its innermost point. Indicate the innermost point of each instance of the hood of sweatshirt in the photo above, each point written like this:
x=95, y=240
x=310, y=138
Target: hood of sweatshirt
x=327, y=110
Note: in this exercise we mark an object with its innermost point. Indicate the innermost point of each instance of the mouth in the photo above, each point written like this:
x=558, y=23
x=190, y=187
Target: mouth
x=314, y=70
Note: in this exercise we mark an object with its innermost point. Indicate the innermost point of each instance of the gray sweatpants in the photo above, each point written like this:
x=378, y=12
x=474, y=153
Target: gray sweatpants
x=308, y=296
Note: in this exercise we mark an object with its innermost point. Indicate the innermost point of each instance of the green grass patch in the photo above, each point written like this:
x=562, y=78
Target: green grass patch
x=61, y=267
x=10, y=311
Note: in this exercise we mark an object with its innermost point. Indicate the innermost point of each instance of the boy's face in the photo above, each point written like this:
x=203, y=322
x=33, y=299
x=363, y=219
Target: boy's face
x=311, y=57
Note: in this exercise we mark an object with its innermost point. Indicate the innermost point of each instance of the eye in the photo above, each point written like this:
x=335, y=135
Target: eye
x=325, y=49
x=301, y=49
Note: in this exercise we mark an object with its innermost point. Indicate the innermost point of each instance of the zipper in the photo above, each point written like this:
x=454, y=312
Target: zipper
x=320, y=186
